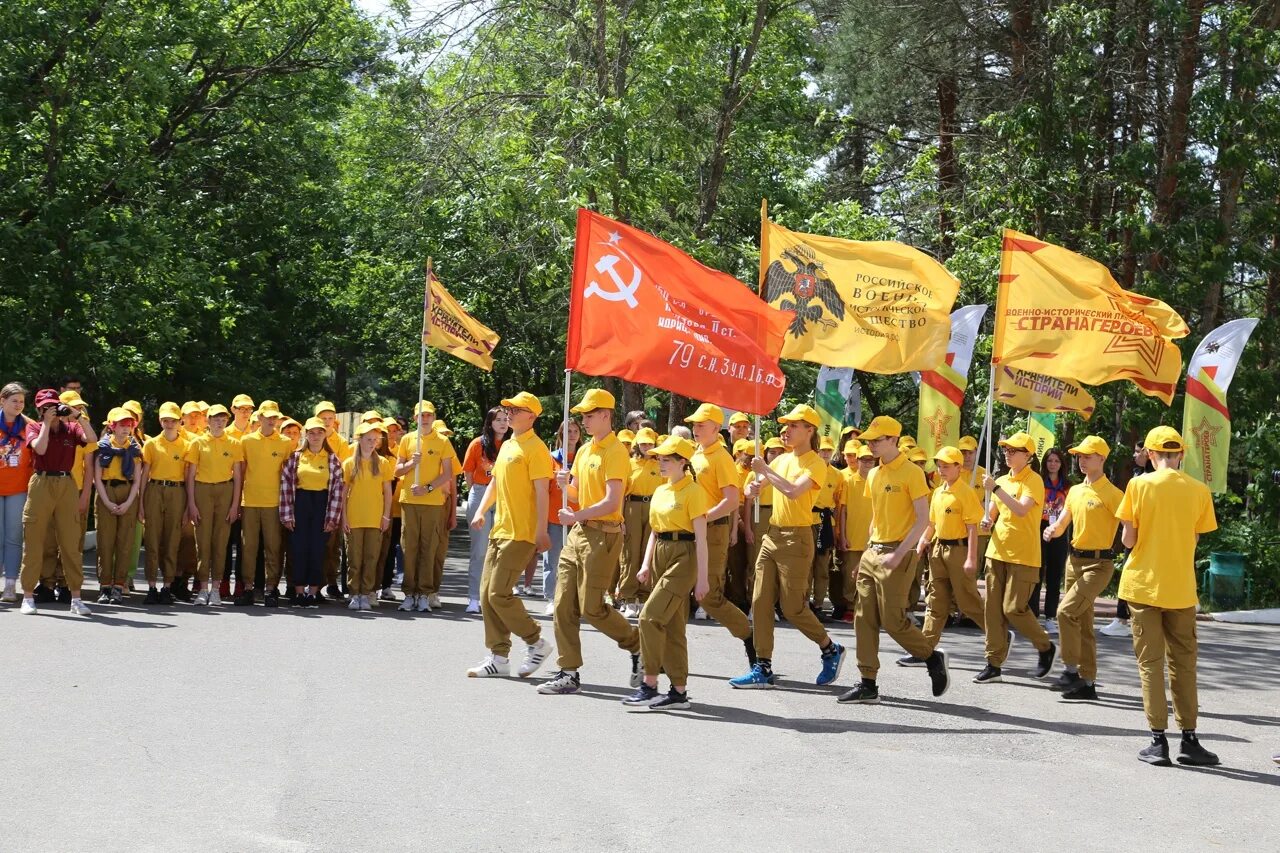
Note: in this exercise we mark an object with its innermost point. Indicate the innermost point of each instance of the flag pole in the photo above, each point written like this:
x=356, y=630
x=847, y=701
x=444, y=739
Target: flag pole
x=422, y=371
x=564, y=447
x=759, y=454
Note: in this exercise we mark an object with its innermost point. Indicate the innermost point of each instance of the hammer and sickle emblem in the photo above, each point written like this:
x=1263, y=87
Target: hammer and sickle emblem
x=625, y=292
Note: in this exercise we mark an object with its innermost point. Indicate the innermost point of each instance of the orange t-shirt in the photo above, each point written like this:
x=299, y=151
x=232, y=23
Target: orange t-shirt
x=554, y=495
x=16, y=464
x=474, y=463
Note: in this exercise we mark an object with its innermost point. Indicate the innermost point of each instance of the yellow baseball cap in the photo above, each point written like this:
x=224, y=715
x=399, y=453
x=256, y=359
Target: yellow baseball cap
x=706, y=412
x=968, y=442
x=595, y=398
x=1019, y=441
x=170, y=410
x=802, y=413
x=190, y=407
x=324, y=406
x=950, y=455
x=133, y=406
x=441, y=428
x=743, y=445
x=864, y=452
x=851, y=447
x=646, y=436
x=367, y=427
x=1164, y=439
x=882, y=427
x=270, y=409
x=774, y=444
x=72, y=398
x=290, y=422
x=906, y=442
x=242, y=400
x=739, y=418
x=1091, y=444
x=851, y=430
x=675, y=446
x=524, y=400
x=120, y=413
x=626, y=436
x=313, y=422
x=371, y=415
x=203, y=406
x=424, y=407
x=218, y=409
x=916, y=454
x=826, y=444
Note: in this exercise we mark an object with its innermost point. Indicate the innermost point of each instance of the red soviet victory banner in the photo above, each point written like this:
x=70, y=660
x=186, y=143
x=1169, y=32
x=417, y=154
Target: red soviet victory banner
x=643, y=310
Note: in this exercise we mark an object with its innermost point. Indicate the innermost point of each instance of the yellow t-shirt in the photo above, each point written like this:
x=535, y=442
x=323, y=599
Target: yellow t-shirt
x=522, y=460
x=1017, y=540
x=235, y=431
x=395, y=487
x=598, y=462
x=364, y=493
x=313, y=470
x=77, y=468
x=892, y=488
x=435, y=450
x=339, y=445
x=644, y=479
x=165, y=460
x=829, y=494
x=797, y=511
x=857, y=509
x=1170, y=510
x=676, y=505
x=765, y=498
x=264, y=456
x=115, y=468
x=952, y=509
x=714, y=469
x=1093, y=515
x=214, y=458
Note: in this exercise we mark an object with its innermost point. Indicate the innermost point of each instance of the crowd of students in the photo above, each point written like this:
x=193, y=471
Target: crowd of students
x=630, y=525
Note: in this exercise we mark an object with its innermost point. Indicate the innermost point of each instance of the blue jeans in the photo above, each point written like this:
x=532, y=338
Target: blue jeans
x=550, y=560
x=479, y=541
x=11, y=533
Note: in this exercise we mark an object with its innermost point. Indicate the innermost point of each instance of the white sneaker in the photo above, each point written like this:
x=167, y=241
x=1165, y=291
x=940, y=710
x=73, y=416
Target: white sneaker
x=202, y=597
x=700, y=614
x=491, y=667
x=534, y=658
x=473, y=605
x=520, y=590
x=631, y=611
x=28, y=607
x=10, y=592
x=215, y=597
x=550, y=609
x=409, y=603
x=434, y=599
x=386, y=595
x=1117, y=628
x=424, y=604
x=354, y=603
x=79, y=608
x=371, y=602
x=1051, y=627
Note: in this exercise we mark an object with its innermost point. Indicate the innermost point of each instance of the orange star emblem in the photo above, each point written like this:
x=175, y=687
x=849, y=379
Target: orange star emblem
x=1205, y=434
x=1149, y=348
x=938, y=424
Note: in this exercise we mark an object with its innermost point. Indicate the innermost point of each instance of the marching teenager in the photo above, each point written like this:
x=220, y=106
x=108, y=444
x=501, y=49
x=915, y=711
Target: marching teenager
x=591, y=549
x=164, y=503
x=786, y=552
x=450, y=518
x=265, y=452
x=477, y=471
x=824, y=509
x=310, y=509
x=676, y=560
x=395, y=428
x=215, y=471
x=1053, y=551
x=756, y=528
x=1013, y=559
x=518, y=495
x=15, y=478
x=853, y=526
x=53, y=503
x=643, y=481
x=1164, y=514
x=899, y=515
x=950, y=544
x=715, y=471
x=425, y=468
x=737, y=569
x=1141, y=464
x=1090, y=511
x=563, y=451
x=117, y=477
x=366, y=513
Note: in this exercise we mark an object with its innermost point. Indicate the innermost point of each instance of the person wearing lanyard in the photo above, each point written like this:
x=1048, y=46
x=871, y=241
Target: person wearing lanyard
x=163, y=503
x=311, y=509
x=853, y=524
x=15, y=476
x=52, y=499
x=1164, y=514
x=215, y=468
x=1013, y=559
x=591, y=550
x=715, y=471
x=477, y=471
x=785, y=563
x=517, y=495
x=676, y=558
x=1090, y=511
x=641, y=484
x=116, y=479
x=899, y=515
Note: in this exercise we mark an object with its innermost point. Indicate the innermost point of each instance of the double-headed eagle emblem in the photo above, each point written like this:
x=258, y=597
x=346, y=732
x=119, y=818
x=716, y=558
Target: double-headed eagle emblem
x=799, y=274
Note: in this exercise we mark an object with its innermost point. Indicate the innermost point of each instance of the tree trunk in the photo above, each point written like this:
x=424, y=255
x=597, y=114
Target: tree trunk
x=948, y=168
x=1177, y=123
x=1022, y=22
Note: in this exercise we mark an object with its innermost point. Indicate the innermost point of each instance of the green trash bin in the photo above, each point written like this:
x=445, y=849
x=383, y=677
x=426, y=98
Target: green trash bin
x=1225, y=585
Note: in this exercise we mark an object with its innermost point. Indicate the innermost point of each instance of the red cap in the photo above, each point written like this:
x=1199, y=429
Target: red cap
x=46, y=397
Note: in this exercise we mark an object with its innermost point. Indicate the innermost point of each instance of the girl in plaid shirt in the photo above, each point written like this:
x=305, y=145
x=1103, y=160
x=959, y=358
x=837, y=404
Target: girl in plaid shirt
x=311, y=508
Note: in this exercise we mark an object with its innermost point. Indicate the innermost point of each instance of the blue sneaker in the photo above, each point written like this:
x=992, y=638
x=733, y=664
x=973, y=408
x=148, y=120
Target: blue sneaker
x=757, y=679
x=832, y=660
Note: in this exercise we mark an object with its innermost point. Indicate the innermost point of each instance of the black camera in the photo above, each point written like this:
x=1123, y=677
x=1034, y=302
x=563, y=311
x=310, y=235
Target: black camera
x=63, y=410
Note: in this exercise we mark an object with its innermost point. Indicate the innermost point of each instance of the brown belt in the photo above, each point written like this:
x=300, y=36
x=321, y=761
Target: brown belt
x=724, y=519
x=952, y=541
x=602, y=526
x=169, y=483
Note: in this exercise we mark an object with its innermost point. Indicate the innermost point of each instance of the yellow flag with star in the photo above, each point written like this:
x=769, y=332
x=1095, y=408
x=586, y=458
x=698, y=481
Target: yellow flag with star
x=1206, y=428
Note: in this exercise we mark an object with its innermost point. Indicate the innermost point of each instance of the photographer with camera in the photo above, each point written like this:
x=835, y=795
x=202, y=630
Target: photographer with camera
x=53, y=496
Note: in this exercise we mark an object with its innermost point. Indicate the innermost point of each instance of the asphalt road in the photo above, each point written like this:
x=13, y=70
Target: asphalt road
x=230, y=729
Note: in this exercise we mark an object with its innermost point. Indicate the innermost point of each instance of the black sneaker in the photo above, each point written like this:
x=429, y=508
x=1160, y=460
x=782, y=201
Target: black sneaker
x=165, y=596
x=181, y=591
x=298, y=601
x=312, y=601
x=1156, y=753
x=1045, y=660
x=332, y=591
x=642, y=698
x=939, y=676
x=637, y=676
x=864, y=693
x=244, y=598
x=153, y=596
x=750, y=645
x=988, y=675
x=911, y=660
x=672, y=701
x=104, y=597
x=1066, y=682
x=43, y=595
x=1082, y=692
x=271, y=599
x=1191, y=752
x=62, y=595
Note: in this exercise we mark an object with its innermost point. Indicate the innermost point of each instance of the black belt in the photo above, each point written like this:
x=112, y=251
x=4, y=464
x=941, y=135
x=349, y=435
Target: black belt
x=766, y=506
x=219, y=483
x=1106, y=554
x=165, y=482
x=53, y=473
x=644, y=499
x=117, y=482
x=676, y=537
x=952, y=541
x=724, y=519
